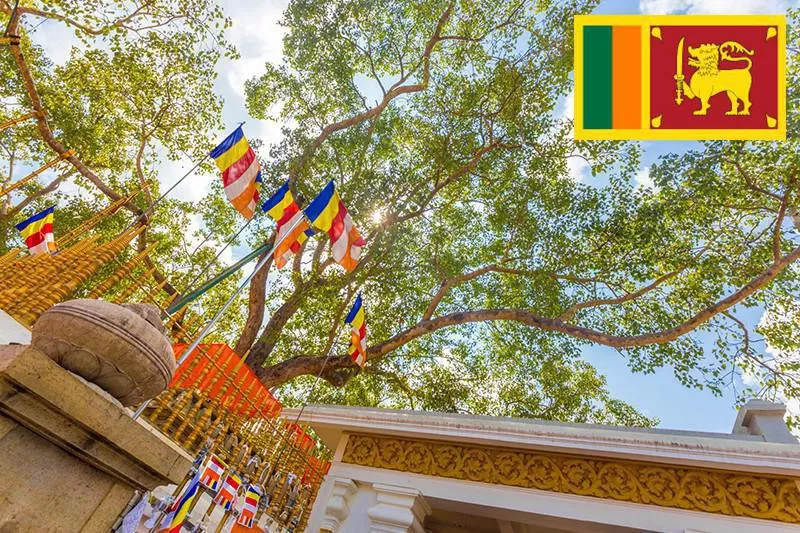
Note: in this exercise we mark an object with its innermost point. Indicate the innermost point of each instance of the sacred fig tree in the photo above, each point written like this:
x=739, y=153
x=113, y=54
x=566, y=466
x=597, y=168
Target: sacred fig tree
x=489, y=266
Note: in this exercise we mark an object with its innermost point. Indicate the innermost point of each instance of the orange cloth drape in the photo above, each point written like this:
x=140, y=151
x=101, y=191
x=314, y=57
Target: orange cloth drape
x=246, y=394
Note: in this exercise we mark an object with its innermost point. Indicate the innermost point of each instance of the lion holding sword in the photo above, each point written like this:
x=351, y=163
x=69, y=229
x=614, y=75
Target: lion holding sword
x=709, y=79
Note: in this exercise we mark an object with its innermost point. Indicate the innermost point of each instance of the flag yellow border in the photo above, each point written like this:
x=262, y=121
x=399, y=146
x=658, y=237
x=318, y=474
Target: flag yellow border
x=647, y=132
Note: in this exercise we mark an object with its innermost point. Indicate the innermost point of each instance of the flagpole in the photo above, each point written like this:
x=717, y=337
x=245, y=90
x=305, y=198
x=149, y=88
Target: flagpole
x=172, y=188
x=205, y=269
x=228, y=303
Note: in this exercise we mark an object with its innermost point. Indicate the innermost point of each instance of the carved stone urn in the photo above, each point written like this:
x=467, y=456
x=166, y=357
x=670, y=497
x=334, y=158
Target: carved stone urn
x=123, y=349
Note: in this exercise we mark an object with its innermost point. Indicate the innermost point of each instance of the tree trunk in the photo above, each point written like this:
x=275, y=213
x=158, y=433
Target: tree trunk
x=255, y=305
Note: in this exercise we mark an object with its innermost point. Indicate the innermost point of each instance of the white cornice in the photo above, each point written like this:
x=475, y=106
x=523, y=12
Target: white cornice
x=710, y=450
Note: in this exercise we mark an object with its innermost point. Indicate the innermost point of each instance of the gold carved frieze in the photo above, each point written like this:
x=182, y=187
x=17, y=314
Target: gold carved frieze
x=710, y=491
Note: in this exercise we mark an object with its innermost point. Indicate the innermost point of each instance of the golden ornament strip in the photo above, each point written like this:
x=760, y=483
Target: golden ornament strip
x=710, y=491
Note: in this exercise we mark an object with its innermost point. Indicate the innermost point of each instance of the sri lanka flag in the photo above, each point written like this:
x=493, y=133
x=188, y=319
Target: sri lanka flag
x=241, y=173
x=680, y=77
x=328, y=213
x=358, y=340
x=251, y=498
x=38, y=232
x=211, y=474
x=179, y=511
x=283, y=209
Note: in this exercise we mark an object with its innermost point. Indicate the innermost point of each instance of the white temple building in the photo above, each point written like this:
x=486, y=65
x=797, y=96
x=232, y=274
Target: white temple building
x=405, y=471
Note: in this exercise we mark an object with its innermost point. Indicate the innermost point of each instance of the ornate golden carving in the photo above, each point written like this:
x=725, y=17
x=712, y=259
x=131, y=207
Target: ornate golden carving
x=710, y=491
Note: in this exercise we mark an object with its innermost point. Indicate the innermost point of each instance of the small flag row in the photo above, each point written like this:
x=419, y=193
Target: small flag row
x=227, y=489
x=241, y=178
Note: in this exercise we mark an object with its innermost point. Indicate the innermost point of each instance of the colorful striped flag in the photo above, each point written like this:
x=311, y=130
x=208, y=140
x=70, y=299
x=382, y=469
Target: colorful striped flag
x=241, y=173
x=680, y=77
x=38, y=232
x=180, y=509
x=212, y=473
x=328, y=213
x=248, y=513
x=358, y=340
x=226, y=497
x=285, y=211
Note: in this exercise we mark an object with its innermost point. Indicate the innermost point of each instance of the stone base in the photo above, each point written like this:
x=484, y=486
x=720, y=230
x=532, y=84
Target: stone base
x=71, y=457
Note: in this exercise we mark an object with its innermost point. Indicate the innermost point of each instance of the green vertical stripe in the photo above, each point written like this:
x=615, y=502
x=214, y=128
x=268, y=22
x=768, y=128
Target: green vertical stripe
x=597, y=77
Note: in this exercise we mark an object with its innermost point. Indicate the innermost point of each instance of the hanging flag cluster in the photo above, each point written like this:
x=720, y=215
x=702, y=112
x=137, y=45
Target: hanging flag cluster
x=299, y=437
x=224, y=361
x=328, y=213
x=292, y=230
x=38, y=232
x=241, y=173
x=358, y=339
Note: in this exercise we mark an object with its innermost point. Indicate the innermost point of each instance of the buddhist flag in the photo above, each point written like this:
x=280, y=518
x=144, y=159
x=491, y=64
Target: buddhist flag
x=212, y=472
x=358, y=339
x=180, y=509
x=328, y=213
x=226, y=497
x=241, y=173
x=38, y=232
x=680, y=77
x=291, y=224
x=248, y=513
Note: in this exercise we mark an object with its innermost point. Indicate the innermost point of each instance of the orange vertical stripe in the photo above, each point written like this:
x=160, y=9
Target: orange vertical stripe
x=626, y=67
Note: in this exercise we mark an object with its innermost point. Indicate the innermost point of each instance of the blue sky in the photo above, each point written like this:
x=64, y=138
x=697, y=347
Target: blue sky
x=258, y=37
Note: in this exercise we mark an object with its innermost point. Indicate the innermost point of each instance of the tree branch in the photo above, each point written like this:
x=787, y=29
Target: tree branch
x=119, y=23
x=338, y=369
x=396, y=90
x=53, y=185
x=255, y=307
x=567, y=315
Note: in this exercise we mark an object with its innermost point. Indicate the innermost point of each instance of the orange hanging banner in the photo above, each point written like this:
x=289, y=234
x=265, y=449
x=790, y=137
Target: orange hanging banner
x=245, y=392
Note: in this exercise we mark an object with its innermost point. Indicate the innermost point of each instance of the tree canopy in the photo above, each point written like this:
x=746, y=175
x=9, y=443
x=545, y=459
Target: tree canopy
x=488, y=266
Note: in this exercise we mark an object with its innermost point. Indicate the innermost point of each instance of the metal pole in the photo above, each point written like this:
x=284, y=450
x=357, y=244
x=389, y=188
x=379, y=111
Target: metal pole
x=225, y=307
x=153, y=205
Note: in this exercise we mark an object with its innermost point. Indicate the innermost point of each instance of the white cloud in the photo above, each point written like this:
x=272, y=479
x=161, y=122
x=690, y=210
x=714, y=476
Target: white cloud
x=191, y=189
x=643, y=179
x=578, y=168
x=663, y=6
x=567, y=106
x=56, y=38
x=713, y=6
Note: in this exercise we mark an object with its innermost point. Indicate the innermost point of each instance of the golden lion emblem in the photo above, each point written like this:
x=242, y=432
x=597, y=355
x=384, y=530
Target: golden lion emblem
x=709, y=79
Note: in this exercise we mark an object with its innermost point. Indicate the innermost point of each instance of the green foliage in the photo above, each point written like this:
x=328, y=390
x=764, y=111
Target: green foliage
x=441, y=124
x=462, y=183
x=137, y=92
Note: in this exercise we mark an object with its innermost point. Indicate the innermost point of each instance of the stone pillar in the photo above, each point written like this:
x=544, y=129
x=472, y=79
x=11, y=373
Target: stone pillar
x=337, y=511
x=399, y=510
x=71, y=456
x=760, y=417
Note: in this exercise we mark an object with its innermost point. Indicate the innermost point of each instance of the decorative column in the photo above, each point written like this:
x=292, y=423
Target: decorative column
x=337, y=509
x=760, y=417
x=399, y=510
